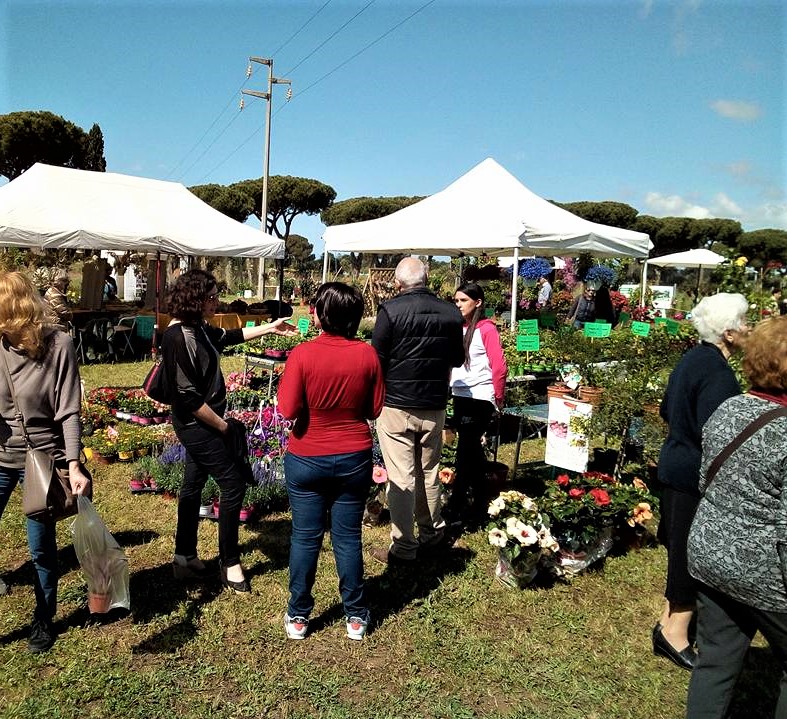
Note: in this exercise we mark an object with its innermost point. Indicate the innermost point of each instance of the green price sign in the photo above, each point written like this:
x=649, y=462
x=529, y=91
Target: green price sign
x=660, y=321
x=528, y=327
x=640, y=329
x=250, y=323
x=624, y=317
x=489, y=312
x=528, y=343
x=672, y=327
x=597, y=329
x=303, y=325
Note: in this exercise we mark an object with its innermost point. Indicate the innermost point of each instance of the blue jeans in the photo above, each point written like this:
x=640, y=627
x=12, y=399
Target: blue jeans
x=42, y=541
x=336, y=484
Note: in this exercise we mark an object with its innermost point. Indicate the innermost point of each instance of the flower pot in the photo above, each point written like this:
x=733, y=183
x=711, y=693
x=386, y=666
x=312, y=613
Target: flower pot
x=142, y=451
x=591, y=395
x=215, y=507
x=246, y=513
x=136, y=486
x=126, y=455
x=98, y=603
x=88, y=452
x=206, y=510
x=518, y=573
x=99, y=458
x=556, y=390
x=575, y=556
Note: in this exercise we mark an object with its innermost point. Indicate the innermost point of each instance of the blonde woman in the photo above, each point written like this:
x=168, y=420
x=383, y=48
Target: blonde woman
x=43, y=367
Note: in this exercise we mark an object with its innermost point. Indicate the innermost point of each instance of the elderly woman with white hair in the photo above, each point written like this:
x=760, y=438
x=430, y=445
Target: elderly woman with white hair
x=700, y=382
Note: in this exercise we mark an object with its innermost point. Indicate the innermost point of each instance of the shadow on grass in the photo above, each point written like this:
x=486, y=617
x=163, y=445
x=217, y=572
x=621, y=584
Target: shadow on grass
x=155, y=592
x=757, y=690
x=400, y=585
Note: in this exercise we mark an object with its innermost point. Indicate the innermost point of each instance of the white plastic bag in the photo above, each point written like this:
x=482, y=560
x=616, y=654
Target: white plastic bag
x=103, y=562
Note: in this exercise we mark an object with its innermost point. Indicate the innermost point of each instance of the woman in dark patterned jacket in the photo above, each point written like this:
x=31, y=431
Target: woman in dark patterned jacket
x=700, y=382
x=737, y=542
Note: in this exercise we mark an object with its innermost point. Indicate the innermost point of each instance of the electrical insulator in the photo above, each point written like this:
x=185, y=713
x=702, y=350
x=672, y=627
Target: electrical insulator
x=248, y=70
x=242, y=104
x=289, y=94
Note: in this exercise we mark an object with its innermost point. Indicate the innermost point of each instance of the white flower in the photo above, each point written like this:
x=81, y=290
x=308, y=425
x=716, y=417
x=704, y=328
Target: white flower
x=525, y=534
x=497, y=538
x=547, y=541
x=497, y=506
x=512, y=525
x=528, y=504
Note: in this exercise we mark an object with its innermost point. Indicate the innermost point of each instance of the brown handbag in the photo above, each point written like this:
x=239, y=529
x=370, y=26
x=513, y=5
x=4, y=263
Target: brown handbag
x=46, y=494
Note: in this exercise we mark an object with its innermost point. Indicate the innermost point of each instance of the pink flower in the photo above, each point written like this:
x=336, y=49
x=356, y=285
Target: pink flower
x=447, y=475
x=576, y=493
x=379, y=475
x=562, y=480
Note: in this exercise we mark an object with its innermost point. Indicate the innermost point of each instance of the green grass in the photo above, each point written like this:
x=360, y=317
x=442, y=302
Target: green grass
x=448, y=640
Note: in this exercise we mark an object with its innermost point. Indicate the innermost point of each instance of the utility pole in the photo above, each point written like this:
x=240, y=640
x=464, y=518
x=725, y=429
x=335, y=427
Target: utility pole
x=267, y=96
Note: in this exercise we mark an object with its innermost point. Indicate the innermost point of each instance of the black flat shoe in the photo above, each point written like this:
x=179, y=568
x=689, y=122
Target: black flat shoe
x=242, y=587
x=685, y=659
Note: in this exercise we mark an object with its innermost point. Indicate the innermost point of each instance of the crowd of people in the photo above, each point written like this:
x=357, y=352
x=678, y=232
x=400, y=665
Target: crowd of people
x=723, y=513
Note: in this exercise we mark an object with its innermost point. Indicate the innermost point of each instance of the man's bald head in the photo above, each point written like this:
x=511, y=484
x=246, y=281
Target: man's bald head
x=410, y=273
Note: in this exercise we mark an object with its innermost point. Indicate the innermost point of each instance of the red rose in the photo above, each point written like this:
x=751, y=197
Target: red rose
x=576, y=493
x=600, y=497
x=562, y=480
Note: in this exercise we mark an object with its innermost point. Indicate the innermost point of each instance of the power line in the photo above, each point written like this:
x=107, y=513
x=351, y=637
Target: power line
x=291, y=37
x=215, y=140
x=233, y=99
x=327, y=74
x=330, y=37
x=366, y=47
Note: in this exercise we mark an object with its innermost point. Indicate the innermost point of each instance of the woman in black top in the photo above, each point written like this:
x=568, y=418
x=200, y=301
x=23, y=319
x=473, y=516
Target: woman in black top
x=190, y=351
x=700, y=382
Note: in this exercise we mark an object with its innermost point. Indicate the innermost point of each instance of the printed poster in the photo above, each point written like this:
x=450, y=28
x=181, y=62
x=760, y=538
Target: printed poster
x=568, y=427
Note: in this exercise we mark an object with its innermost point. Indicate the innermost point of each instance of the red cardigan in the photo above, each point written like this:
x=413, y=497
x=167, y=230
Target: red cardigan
x=331, y=386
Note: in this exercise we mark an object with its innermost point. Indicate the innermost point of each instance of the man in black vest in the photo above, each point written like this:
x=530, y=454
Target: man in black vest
x=418, y=338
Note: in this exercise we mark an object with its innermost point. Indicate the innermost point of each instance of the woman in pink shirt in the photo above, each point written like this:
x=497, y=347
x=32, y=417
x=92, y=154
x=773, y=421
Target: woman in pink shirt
x=478, y=387
x=332, y=386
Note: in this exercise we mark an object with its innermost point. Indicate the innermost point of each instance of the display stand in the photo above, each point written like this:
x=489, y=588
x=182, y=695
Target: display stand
x=265, y=364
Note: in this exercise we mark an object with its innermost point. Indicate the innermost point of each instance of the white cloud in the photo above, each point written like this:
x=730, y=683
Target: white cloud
x=723, y=206
x=737, y=110
x=740, y=169
x=767, y=214
x=674, y=206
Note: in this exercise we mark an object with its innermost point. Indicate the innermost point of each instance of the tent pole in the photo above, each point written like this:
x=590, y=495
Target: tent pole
x=158, y=303
x=643, y=284
x=325, y=265
x=514, y=276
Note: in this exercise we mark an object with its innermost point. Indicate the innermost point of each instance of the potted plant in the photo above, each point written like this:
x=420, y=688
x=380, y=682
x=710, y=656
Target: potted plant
x=102, y=447
x=521, y=533
x=209, y=493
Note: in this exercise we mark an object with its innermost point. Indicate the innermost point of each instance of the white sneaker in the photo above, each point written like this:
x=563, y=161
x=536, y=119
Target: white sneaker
x=296, y=627
x=356, y=628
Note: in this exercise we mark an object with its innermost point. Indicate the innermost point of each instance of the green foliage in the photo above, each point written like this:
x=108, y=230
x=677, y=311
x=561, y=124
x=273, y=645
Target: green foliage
x=300, y=253
x=288, y=197
x=28, y=137
x=762, y=246
x=360, y=209
x=617, y=214
x=94, y=150
x=210, y=491
x=230, y=201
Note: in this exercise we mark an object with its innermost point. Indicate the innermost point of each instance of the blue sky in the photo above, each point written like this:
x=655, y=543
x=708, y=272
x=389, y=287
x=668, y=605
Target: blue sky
x=677, y=108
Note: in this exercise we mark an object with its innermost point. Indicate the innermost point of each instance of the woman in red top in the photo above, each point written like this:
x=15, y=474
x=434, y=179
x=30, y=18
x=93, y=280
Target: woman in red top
x=331, y=387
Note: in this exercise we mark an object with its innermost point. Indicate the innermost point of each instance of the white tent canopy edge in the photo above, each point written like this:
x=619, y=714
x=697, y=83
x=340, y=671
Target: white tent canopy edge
x=58, y=207
x=698, y=258
x=486, y=211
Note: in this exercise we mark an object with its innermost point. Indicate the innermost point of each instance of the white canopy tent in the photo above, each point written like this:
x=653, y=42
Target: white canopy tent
x=486, y=211
x=698, y=258
x=58, y=207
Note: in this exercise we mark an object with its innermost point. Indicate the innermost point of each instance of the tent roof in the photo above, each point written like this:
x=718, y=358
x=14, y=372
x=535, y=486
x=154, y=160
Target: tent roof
x=486, y=211
x=690, y=258
x=51, y=207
